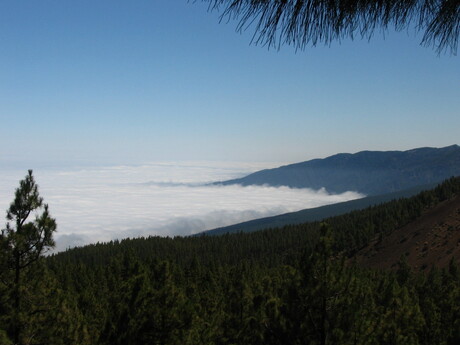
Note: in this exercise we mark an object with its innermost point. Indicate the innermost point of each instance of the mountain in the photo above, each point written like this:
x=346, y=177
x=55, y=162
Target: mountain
x=352, y=231
x=262, y=287
x=315, y=214
x=431, y=239
x=367, y=172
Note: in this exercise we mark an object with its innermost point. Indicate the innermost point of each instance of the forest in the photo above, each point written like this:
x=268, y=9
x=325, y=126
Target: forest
x=292, y=285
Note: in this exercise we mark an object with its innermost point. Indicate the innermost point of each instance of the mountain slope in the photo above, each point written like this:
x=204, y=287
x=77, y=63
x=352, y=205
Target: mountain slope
x=261, y=287
x=352, y=232
x=431, y=239
x=315, y=214
x=367, y=172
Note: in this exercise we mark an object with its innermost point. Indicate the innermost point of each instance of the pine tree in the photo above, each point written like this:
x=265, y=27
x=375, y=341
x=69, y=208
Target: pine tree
x=301, y=23
x=23, y=243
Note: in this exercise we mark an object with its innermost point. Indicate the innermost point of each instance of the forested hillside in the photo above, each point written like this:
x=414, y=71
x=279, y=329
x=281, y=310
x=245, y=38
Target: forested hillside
x=317, y=213
x=432, y=239
x=367, y=172
x=292, y=285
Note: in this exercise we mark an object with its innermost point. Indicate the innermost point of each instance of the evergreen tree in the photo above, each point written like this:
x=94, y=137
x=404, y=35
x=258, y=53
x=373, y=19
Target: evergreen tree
x=22, y=244
x=326, y=282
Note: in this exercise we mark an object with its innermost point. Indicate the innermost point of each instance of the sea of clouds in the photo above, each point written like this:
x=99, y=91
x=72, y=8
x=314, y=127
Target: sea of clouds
x=166, y=199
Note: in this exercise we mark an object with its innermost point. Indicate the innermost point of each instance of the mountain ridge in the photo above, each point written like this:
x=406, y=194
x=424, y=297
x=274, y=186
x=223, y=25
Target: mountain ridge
x=366, y=172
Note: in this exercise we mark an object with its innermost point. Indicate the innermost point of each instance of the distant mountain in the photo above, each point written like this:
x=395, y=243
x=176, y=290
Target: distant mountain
x=367, y=172
x=315, y=214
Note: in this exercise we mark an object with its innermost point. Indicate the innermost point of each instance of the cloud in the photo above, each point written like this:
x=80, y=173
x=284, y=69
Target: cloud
x=70, y=241
x=165, y=199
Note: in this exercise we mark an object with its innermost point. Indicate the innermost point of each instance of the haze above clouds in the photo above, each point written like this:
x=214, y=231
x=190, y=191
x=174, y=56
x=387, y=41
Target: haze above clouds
x=165, y=199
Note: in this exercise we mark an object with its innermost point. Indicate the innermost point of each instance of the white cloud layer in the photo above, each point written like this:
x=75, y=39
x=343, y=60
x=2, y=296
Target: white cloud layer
x=166, y=199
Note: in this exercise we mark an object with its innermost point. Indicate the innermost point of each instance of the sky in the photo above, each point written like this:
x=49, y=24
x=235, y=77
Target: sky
x=125, y=109
x=130, y=82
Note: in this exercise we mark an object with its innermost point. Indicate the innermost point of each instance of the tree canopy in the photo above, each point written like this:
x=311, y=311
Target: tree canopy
x=292, y=285
x=22, y=244
x=308, y=22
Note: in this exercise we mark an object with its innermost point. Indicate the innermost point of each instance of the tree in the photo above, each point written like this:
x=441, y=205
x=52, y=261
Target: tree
x=326, y=283
x=22, y=244
x=304, y=22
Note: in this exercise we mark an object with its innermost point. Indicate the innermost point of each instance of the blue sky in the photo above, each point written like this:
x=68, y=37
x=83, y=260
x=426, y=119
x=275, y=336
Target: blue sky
x=85, y=82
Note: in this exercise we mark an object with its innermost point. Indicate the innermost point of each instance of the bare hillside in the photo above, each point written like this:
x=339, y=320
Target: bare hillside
x=432, y=239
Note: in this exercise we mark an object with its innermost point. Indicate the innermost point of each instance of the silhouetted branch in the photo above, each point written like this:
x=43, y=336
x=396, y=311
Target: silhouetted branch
x=308, y=22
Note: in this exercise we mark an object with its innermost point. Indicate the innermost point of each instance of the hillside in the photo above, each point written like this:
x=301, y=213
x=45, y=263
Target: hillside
x=431, y=239
x=367, y=172
x=352, y=231
x=266, y=287
x=315, y=214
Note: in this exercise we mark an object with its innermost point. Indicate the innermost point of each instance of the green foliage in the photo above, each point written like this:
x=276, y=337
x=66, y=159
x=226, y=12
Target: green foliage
x=293, y=285
x=22, y=244
x=4, y=340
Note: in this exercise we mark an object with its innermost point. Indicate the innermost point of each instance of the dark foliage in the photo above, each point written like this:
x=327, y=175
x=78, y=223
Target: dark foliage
x=308, y=22
x=291, y=285
x=22, y=244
